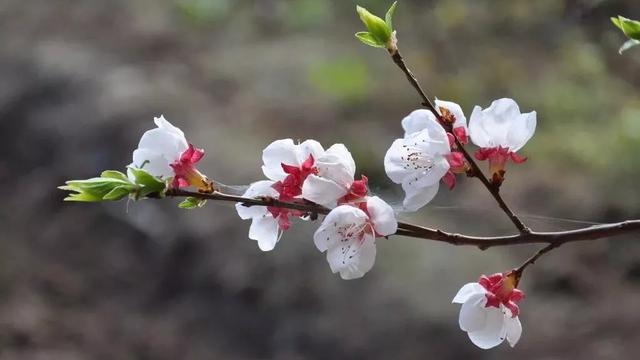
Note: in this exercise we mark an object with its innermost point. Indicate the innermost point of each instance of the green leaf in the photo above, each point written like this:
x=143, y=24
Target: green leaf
x=149, y=184
x=114, y=175
x=631, y=28
x=379, y=30
x=389, y=16
x=628, y=45
x=192, y=203
x=117, y=193
x=368, y=39
x=98, y=189
x=84, y=197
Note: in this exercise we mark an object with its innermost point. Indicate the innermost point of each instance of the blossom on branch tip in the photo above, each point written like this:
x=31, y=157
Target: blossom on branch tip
x=419, y=160
x=348, y=236
x=165, y=153
x=489, y=312
x=500, y=131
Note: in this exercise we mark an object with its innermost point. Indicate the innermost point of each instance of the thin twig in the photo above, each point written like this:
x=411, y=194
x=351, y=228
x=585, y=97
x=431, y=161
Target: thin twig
x=477, y=172
x=535, y=257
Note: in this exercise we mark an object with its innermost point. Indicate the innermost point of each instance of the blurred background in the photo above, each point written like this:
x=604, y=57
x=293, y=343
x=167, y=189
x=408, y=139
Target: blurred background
x=80, y=81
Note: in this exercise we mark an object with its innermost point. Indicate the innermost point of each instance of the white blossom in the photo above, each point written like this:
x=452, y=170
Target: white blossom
x=489, y=313
x=419, y=160
x=501, y=125
x=159, y=148
x=348, y=236
x=264, y=226
x=165, y=153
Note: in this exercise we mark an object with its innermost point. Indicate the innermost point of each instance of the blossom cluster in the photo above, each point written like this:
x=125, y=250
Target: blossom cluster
x=429, y=151
x=305, y=175
x=306, y=172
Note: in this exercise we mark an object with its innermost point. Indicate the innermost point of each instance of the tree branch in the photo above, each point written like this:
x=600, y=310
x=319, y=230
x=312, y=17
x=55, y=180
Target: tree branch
x=477, y=172
x=554, y=239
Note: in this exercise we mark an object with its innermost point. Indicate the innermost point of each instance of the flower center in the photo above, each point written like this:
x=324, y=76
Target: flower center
x=501, y=290
x=358, y=190
x=498, y=157
x=417, y=160
x=446, y=116
x=187, y=175
x=291, y=185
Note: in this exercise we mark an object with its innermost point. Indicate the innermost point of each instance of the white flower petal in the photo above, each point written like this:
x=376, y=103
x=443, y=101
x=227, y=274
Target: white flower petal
x=467, y=291
x=494, y=331
x=415, y=157
x=338, y=153
x=477, y=132
x=265, y=231
x=162, y=123
x=473, y=313
x=330, y=233
x=418, y=120
x=514, y=330
x=382, y=216
x=395, y=162
x=322, y=191
x=415, y=198
x=152, y=162
x=347, y=236
x=354, y=258
x=431, y=176
x=258, y=188
x=164, y=142
x=521, y=131
x=277, y=153
x=309, y=147
x=501, y=124
x=337, y=164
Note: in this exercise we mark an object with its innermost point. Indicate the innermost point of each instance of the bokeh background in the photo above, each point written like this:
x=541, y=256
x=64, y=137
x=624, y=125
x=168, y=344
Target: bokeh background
x=81, y=80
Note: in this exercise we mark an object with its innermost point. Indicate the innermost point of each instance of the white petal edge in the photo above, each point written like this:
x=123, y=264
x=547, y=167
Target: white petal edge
x=416, y=198
x=265, y=231
x=494, y=331
x=514, y=330
x=382, y=216
x=279, y=152
x=473, y=313
x=353, y=266
x=467, y=291
x=417, y=120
